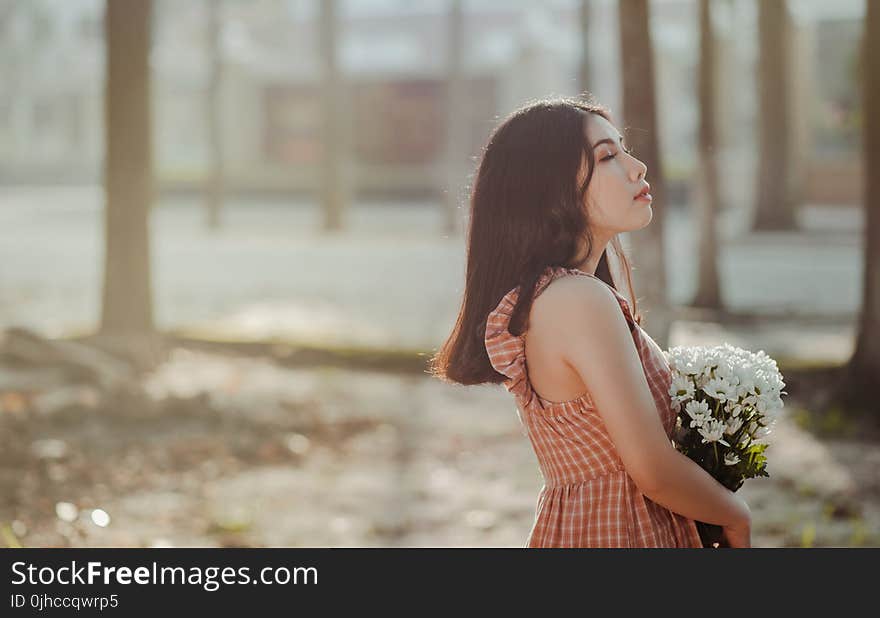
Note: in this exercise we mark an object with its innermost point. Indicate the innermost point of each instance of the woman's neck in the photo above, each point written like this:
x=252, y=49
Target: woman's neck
x=591, y=262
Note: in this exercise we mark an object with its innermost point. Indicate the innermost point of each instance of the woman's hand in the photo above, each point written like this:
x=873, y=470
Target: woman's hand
x=739, y=534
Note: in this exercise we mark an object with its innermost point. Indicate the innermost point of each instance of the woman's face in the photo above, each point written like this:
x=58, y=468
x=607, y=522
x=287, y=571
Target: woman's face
x=611, y=200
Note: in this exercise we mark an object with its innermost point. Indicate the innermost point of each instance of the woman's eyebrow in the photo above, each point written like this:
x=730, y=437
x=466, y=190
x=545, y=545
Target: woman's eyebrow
x=607, y=140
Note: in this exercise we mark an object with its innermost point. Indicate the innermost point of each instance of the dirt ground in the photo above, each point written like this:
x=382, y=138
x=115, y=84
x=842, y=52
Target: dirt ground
x=222, y=450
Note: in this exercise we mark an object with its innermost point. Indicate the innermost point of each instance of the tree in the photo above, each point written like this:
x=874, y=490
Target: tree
x=639, y=111
x=708, y=199
x=127, y=307
x=584, y=72
x=864, y=366
x=775, y=203
x=214, y=186
x=455, y=115
x=332, y=125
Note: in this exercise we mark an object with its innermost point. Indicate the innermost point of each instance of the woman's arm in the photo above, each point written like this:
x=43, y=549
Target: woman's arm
x=693, y=492
x=586, y=324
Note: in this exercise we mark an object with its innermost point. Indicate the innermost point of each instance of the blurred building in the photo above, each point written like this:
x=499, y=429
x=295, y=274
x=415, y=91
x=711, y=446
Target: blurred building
x=51, y=72
x=393, y=56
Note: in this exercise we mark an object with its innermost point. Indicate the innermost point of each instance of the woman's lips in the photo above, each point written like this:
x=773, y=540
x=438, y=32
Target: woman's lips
x=644, y=193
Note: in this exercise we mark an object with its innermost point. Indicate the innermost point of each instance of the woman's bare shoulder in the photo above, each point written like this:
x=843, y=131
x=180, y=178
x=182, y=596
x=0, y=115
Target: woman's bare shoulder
x=576, y=291
x=561, y=308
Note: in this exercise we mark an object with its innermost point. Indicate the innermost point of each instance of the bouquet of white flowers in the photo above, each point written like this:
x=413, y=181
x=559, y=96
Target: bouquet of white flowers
x=727, y=401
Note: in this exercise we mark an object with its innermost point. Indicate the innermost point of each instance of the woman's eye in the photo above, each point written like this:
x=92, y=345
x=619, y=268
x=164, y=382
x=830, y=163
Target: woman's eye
x=612, y=155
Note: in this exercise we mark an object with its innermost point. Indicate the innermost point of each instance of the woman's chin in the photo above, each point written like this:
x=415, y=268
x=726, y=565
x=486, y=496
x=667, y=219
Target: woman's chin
x=647, y=215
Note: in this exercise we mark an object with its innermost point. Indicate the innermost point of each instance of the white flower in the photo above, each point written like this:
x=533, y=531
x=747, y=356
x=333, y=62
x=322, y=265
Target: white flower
x=686, y=359
x=733, y=408
x=762, y=432
x=766, y=401
x=731, y=459
x=728, y=369
x=733, y=425
x=720, y=389
x=698, y=411
x=748, y=385
x=712, y=431
x=682, y=388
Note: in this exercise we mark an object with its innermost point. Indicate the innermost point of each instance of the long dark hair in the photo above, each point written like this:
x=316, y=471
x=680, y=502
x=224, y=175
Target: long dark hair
x=526, y=214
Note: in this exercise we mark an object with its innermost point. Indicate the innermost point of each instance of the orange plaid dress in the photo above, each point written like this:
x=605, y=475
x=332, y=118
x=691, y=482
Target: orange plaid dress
x=588, y=499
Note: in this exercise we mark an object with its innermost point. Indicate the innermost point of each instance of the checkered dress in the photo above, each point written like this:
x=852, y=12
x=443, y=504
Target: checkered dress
x=588, y=498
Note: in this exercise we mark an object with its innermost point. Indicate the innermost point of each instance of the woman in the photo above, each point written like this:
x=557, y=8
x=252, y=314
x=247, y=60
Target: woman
x=542, y=313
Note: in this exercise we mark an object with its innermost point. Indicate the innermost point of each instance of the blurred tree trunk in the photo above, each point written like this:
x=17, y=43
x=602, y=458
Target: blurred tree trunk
x=708, y=198
x=214, y=187
x=775, y=204
x=864, y=367
x=333, y=122
x=127, y=307
x=584, y=71
x=22, y=45
x=639, y=112
x=7, y=10
x=456, y=148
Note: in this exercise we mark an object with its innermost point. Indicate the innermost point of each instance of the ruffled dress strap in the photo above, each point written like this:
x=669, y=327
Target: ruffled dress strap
x=507, y=352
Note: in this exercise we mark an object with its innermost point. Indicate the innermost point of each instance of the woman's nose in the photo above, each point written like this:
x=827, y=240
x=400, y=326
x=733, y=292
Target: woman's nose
x=639, y=170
